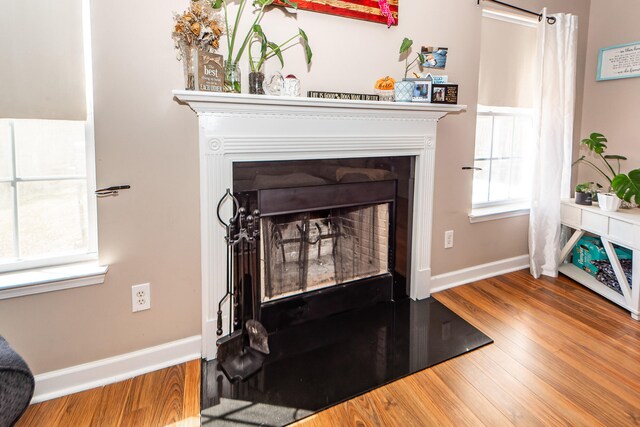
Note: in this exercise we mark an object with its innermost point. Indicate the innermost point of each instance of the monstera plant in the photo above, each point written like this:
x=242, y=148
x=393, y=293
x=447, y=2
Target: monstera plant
x=625, y=186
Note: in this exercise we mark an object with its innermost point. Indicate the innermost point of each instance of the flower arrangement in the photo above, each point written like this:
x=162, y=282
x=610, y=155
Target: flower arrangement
x=199, y=26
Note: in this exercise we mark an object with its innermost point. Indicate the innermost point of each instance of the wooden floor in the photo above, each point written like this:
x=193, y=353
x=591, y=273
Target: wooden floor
x=562, y=356
x=169, y=397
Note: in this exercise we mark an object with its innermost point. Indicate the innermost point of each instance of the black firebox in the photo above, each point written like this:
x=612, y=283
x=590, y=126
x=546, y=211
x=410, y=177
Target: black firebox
x=333, y=237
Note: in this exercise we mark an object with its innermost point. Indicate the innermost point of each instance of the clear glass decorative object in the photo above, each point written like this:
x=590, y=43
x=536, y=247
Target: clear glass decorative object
x=385, y=95
x=256, y=78
x=188, y=55
x=291, y=86
x=273, y=85
x=232, y=77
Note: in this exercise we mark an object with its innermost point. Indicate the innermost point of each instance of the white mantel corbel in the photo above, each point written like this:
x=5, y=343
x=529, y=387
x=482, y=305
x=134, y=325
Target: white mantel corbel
x=242, y=128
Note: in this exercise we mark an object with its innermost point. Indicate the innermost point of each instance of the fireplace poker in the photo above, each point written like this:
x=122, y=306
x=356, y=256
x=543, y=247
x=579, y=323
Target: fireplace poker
x=228, y=228
x=232, y=343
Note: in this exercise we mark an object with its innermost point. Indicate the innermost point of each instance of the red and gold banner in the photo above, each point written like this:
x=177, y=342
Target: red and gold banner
x=368, y=10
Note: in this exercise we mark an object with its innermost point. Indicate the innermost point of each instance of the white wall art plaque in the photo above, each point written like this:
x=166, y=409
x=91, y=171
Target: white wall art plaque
x=619, y=62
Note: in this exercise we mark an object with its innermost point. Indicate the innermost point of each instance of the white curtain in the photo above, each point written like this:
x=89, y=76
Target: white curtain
x=555, y=101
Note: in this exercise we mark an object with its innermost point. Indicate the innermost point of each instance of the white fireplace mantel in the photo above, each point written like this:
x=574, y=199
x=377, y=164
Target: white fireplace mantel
x=242, y=128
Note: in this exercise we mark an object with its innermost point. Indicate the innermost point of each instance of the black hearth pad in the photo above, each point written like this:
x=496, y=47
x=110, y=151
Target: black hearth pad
x=318, y=364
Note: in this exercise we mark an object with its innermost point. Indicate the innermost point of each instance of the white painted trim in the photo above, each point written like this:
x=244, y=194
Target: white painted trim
x=479, y=272
x=50, y=279
x=62, y=382
x=497, y=212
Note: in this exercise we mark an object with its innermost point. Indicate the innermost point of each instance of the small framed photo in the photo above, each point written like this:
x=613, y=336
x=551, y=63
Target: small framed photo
x=434, y=58
x=421, y=90
x=444, y=94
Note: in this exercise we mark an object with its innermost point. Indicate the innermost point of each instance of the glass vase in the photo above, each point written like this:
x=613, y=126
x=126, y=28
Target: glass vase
x=188, y=55
x=256, y=79
x=232, y=77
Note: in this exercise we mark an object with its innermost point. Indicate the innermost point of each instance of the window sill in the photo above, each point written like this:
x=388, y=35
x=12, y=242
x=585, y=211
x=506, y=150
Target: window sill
x=49, y=279
x=498, y=212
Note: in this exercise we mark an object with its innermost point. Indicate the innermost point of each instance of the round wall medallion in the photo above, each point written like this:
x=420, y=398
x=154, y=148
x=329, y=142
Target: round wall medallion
x=215, y=144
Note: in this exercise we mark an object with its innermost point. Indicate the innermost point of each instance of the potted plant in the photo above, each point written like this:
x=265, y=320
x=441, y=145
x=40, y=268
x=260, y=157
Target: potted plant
x=236, y=46
x=404, y=89
x=586, y=191
x=623, y=186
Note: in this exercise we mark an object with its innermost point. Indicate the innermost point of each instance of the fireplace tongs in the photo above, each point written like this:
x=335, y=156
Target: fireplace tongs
x=238, y=360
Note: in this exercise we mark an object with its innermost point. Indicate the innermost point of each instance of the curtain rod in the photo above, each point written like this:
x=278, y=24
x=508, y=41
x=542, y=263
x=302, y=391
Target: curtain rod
x=550, y=19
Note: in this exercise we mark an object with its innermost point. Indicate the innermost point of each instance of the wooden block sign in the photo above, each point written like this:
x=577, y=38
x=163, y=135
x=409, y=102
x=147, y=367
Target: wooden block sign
x=210, y=72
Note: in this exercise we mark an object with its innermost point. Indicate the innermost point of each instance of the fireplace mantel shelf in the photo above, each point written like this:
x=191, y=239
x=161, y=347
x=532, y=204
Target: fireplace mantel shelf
x=205, y=101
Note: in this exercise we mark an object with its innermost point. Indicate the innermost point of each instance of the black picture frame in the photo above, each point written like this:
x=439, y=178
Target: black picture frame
x=444, y=94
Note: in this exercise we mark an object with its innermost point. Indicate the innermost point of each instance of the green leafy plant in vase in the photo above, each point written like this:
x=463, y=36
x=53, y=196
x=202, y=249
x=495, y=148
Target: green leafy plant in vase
x=625, y=186
x=404, y=89
x=405, y=46
x=586, y=191
x=236, y=46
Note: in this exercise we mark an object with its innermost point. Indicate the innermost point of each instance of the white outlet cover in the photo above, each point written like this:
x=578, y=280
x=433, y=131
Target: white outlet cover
x=448, y=239
x=141, y=297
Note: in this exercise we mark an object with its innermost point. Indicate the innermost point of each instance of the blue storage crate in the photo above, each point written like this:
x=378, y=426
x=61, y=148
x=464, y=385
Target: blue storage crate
x=590, y=249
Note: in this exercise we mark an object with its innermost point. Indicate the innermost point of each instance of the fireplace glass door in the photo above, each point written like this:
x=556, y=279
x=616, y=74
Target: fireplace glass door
x=313, y=250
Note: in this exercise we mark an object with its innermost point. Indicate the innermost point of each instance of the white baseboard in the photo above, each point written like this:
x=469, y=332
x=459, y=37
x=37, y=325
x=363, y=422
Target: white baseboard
x=113, y=369
x=478, y=272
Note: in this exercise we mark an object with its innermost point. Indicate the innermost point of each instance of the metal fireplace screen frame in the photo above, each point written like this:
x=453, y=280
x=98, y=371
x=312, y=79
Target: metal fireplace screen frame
x=320, y=236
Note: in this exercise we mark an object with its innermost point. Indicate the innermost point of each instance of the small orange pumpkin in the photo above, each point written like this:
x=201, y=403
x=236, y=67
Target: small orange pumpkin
x=385, y=83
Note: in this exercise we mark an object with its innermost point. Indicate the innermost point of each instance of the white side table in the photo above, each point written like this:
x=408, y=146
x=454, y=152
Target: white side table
x=623, y=229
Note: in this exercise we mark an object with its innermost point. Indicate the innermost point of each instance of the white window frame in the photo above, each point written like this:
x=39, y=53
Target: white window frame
x=69, y=271
x=493, y=112
x=89, y=177
x=488, y=211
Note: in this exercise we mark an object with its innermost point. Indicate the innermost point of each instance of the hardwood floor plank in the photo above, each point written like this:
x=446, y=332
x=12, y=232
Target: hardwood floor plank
x=191, y=392
x=484, y=410
x=457, y=410
x=168, y=397
x=110, y=409
x=574, y=414
x=44, y=414
x=80, y=408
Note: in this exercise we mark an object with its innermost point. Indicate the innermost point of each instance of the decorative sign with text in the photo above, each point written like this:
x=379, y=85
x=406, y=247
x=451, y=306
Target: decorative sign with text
x=342, y=95
x=210, y=72
x=619, y=62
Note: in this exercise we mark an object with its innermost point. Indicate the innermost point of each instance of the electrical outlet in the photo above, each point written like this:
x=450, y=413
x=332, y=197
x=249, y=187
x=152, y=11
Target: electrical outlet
x=448, y=239
x=141, y=297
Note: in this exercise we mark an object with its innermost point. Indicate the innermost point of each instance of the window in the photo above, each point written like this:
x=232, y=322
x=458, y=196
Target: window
x=45, y=212
x=503, y=139
x=47, y=178
x=505, y=116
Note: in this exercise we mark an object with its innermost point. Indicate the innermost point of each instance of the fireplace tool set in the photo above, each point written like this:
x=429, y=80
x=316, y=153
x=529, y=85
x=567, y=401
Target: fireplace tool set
x=243, y=350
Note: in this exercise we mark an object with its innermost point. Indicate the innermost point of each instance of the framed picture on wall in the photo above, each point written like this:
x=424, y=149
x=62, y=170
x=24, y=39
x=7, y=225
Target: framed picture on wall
x=619, y=62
